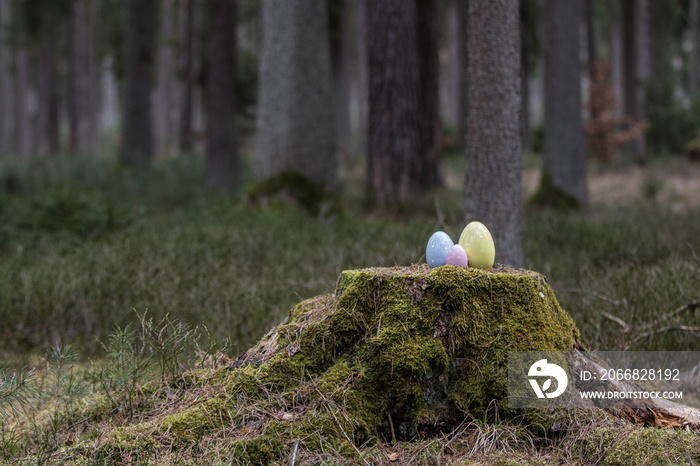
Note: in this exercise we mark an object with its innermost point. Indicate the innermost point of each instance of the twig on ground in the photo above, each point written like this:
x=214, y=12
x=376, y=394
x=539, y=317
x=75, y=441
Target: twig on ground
x=683, y=328
x=692, y=251
x=690, y=305
x=625, y=326
x=294, y=452
x=391, y=427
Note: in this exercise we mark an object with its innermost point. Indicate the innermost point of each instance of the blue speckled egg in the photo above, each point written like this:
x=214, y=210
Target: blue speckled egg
x=438, y=246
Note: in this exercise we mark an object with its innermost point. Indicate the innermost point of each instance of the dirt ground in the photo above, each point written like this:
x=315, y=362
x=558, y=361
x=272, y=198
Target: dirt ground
x=677, y=185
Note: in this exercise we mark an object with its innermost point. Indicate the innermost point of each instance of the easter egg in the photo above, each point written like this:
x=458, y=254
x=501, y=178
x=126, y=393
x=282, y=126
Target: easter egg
x=457, y=256
x=438, y=246
x=478, y=243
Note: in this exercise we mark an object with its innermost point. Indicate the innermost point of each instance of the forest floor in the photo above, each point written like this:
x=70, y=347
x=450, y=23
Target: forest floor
x=103, y=261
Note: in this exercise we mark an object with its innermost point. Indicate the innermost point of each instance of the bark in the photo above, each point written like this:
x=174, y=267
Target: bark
x=295, y=128
x=163, y=100
x=455, y=70
x=591, y=50
x=634, y=67
x=140, y=43
x=429, y=92
x=394, y=164
x=93, y=79
x=4, y=76
x=341, y=56
x=362, y=76
x=493, y=186
x=21, y=91
x=616, y=60
x=564, y=157
x=79, y=80
x=694, y=55
x=47, y=95
x=221, y=156
x=190, y=47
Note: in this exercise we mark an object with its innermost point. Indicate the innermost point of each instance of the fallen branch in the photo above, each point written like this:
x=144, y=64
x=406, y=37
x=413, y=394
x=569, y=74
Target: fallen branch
x=690, y=305
x=658, y=412
x=625, y=326
x=692, y=251
x=683, y=328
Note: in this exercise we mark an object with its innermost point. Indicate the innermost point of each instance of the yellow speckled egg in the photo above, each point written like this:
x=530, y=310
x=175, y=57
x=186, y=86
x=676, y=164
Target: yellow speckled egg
x=478, y=243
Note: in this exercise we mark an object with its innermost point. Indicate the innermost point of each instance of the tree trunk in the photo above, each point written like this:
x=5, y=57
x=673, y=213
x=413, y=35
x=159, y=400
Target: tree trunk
x=591, y=50
x=140, y=43
x=493, y=186
x=429, y=92
x=79, y=80
x=362, y=77
x=694, y=55
x=163, y=100
x=47, y=94
x=21, y=117
x=295, y=128
x=189, y=40
x=4, y=76
x=395, y=141
x=455, y=69
x=341, y=55
x=616, y=59
x=222, y=157
x=94, y=128
x=564, y=158
x=634, y=14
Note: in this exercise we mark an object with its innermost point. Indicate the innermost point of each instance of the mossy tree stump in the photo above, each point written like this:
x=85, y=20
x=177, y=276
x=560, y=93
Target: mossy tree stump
x=392, y=353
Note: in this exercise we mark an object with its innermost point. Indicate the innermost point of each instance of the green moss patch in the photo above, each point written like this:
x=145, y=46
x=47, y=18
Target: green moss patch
x=622, y=444
x=288, y=187
x=549, y=195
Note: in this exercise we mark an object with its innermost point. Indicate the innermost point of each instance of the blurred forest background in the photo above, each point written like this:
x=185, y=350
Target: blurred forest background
x=216, y=160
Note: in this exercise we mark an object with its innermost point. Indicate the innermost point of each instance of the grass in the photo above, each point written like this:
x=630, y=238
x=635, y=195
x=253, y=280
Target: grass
x=87, y=249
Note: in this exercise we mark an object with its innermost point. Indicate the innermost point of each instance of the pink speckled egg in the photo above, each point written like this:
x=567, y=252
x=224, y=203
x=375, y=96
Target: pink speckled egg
x=457, y=256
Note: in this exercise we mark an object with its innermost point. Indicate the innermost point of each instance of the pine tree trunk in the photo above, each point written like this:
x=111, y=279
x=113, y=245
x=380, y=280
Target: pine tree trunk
x=455, y=69
x=140, y=44
x=189, y=40
x=340, y=62
x=633, y=27
x=493, y=186
x=616, y=60
x=564, y=156
x=79, y=80
x=164, y=90
x=429, y=93
x=94, y=127
x=222, y=157
x=45, y=78
x=394, y=165
x=21, y=117
x=4, y=76
x=362, y=76
x=694, y=55
x=295, y=126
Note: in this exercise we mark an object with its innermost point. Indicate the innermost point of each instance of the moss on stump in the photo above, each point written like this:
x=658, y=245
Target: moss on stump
x=392, y=353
